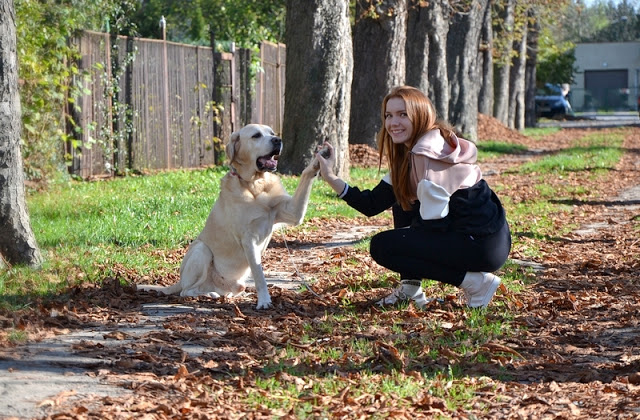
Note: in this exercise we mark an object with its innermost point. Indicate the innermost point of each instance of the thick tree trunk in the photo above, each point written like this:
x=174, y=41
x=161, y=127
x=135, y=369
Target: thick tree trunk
x=463, y=43
x=438, y=22
x=17, y=242
x=530, y=70
x=516, y=85
x=379, y=63
x=318, y=83
x=417, y=46
x=504, y=33
x=485, y=63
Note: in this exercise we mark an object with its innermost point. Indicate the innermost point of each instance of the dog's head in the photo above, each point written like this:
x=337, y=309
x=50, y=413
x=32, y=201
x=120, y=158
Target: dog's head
x=254, y=148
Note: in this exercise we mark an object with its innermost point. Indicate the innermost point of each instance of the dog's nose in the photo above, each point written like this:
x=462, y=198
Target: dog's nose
x=277, y=141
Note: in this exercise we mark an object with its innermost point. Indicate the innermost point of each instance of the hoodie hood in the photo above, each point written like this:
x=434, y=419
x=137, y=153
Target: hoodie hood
x=450, y=166
x=434, y=146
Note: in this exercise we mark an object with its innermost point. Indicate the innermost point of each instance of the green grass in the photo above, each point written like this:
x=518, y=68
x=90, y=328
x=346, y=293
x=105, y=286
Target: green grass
x=489, y=149
x=595, y=152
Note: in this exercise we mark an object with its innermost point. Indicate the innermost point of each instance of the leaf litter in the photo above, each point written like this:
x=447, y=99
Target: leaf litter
x=572, y=350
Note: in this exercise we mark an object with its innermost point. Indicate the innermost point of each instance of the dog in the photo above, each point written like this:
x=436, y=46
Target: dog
x=251, y=204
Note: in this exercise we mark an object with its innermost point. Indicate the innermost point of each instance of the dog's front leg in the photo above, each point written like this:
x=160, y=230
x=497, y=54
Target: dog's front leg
x=293, y=211
x=253, y=253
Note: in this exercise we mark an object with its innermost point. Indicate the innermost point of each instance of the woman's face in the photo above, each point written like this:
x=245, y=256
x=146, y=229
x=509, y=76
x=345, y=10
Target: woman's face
x=396, y=121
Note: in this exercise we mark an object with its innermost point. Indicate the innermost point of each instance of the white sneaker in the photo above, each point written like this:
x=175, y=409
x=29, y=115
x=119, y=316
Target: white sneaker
x=408, y=289
x=479, y=288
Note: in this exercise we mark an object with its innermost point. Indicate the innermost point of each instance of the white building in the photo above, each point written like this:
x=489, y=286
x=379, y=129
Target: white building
x=607, y=77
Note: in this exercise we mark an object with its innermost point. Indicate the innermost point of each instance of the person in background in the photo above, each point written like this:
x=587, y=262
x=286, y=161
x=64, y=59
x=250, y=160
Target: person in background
x=449, y=225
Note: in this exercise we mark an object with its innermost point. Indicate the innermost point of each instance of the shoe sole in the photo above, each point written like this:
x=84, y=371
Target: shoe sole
x=491, y=291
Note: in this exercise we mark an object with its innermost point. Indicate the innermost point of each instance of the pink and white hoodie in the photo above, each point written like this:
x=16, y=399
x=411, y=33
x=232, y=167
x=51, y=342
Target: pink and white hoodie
x=439, y=169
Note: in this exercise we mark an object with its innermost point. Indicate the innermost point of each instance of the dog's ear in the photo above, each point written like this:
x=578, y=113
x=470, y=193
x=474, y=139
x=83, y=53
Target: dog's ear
x=233, y=146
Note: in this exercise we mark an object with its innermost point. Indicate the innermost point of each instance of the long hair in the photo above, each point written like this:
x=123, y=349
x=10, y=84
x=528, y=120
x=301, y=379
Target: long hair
x=423, y=117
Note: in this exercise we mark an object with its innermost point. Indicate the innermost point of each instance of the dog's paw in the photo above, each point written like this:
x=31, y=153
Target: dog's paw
x=262, y=305
x=325, y=152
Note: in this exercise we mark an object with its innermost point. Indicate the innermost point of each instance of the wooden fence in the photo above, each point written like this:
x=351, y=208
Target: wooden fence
x=150, y=104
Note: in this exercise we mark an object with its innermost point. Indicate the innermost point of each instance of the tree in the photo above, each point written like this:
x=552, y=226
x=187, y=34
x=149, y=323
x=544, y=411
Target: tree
x=485, y=63
x=417, y=46
x=504, y=33
x=379, y=36
x=530, y=69
x=463, y=42
x=438, y=12
x=319, y=68
x=17, y=242
x=517, y=73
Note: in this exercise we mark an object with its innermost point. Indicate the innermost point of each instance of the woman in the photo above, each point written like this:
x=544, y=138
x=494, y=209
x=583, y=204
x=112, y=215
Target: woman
x=449, y=225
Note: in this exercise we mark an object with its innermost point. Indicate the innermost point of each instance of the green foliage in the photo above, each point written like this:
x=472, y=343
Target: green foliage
x=556, y=61
x=46, y=58
x=245, y=22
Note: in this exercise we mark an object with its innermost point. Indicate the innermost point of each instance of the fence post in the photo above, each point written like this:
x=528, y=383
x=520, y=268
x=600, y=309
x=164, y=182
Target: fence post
x=128, y=99
x=217, y=146
x=165, y=70
x=244, y=81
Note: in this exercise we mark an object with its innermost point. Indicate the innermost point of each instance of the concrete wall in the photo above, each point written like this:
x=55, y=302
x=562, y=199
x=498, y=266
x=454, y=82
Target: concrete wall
x=608, y=64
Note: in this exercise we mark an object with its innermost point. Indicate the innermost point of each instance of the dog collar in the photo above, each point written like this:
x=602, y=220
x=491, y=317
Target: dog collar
x=235, y=173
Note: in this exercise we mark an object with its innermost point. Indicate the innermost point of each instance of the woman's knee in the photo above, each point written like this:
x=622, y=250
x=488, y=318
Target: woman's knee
x=378, y=247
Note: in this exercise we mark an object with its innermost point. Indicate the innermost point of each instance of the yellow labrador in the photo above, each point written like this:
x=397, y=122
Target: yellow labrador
x=252, y=201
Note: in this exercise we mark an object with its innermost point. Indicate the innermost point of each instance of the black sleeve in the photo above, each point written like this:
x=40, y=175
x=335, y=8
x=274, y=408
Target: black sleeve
x=371, y=202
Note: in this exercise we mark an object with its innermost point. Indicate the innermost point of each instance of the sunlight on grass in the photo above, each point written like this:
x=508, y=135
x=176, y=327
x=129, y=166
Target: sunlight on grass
x=539, y=132
x=490, y=149
x=593, y=152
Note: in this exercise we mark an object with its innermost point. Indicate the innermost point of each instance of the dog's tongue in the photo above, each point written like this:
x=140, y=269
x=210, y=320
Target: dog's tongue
x=270, y=163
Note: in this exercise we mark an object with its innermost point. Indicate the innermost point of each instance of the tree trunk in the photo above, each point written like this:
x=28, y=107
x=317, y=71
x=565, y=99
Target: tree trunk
x=530, y=70
x=463, y=42
x=505, y=35
x=485, y=63
x=318, y=83
x=379, y=63
x=417, y=46
x=438, y=23
x=17, y=242
x=516, y=85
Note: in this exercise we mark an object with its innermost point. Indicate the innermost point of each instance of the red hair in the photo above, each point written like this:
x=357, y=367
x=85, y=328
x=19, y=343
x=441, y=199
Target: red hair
x=422, y=115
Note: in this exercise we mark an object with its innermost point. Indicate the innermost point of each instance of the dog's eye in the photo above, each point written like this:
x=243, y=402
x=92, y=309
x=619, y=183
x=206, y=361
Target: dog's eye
x=256, y=136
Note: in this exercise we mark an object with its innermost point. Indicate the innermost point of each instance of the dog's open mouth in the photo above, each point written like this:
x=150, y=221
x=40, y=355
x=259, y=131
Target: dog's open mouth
x=268, y=162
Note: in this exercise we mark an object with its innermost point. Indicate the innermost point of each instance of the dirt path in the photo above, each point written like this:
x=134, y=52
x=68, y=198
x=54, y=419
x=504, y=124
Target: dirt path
x=109, y=352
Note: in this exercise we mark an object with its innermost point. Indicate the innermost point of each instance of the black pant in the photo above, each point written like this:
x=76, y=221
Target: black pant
x=415, y=253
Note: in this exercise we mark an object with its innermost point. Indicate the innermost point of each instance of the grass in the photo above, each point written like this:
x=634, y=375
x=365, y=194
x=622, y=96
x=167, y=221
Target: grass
x=88, y=230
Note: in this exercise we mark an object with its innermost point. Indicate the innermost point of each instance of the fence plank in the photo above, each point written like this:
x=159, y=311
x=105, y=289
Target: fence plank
x=135, y=133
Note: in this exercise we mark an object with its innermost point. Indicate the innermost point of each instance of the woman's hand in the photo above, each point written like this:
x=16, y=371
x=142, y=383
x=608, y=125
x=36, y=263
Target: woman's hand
x=327, y=158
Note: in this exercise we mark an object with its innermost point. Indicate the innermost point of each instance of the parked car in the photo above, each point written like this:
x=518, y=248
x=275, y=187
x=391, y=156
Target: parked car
x=552, y=102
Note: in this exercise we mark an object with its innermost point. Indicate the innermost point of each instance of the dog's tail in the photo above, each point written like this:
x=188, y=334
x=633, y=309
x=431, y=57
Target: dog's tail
x=174, y=289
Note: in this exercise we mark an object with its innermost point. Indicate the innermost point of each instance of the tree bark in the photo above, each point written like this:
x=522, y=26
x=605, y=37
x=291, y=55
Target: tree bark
x=516, y=85
x=318, y=83
x=438, y=12
x=505, y=34
x=17, y=242
x=417, y=47
x=379, y=38
x=463, y=42
x=485, y=63
x=530, y=70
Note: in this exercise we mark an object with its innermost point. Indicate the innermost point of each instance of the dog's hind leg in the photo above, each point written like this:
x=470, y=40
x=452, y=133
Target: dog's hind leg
x=196, y=270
